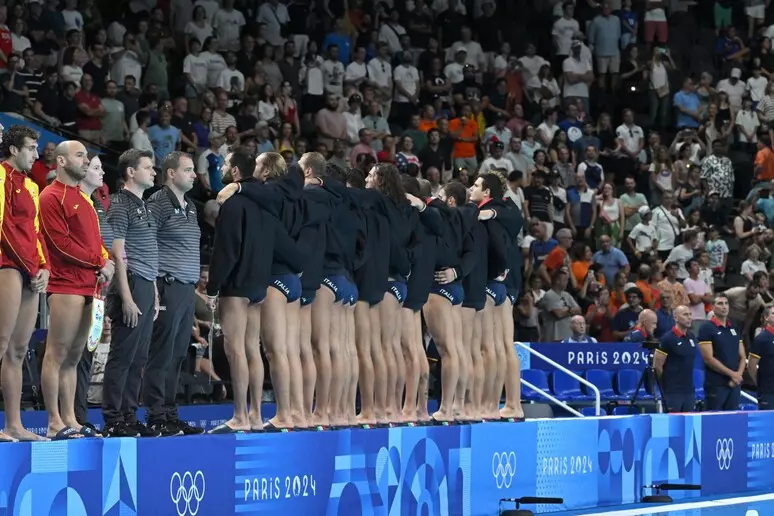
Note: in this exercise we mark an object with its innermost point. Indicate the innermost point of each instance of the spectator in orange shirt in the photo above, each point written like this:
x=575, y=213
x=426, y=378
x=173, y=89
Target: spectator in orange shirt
x=643, y=276
x=428, y=120
x=464, y=132
x=559, y=257
x=764, y=165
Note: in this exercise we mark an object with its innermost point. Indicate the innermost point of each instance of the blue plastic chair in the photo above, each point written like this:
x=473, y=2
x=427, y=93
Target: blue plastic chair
x=748, y=407
x=566, y=388
x=592, y=411
x=627, y=380
x=602, y=380
x=626, y=410
x=698, y=383
x=539, y=379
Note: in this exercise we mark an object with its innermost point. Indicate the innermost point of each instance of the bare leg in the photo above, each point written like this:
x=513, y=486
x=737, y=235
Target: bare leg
x=13, y=361
x=322, y=309
x=412, y=364
x=68, y=375
x=424, y=369
x=479, y=371
x=274, y=331
x=340, y=378
x=354, y=366
x=307, y=361
x=512, y=406
x=487, y=338
x=400, y=365
x=388, y=309
x=380, y=366
x=295, y=365
x=363, y=343
x=466, y=365
x=65, y=320
x=233, y=319
x=438, y=312
x=254, y=364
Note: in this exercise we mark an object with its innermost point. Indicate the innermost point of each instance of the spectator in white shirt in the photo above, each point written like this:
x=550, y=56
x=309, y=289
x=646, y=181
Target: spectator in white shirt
x=496, y=160
x=407, y=86
x=357, y=70
x=643, y=238
x=140, y=139
x=474, y=53
x=72, y=18
x=630, y=135
x=276, y=18
x=667, y=219
x=380, y=78
x=734, y=87
x=228, y=22
x=747, y=124
x=531, y=62
x=231, y=80
x=578, y=74
x=391, y=31
x=563, y=31
x=333, y=72
x=757, y=85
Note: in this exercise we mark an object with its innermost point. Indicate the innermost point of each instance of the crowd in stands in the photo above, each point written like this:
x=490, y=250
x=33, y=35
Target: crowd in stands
x=626, y=128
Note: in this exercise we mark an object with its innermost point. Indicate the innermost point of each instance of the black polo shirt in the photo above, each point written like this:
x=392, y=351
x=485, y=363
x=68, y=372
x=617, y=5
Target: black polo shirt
x=680, y=351
x=133, y=223
x=724, y=340
x=763, y=349
x=178, y=236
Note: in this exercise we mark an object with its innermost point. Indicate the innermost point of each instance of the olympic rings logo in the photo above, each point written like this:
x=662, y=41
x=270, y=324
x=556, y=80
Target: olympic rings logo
x=503, y=468
x=187, y=492
x=724, y=453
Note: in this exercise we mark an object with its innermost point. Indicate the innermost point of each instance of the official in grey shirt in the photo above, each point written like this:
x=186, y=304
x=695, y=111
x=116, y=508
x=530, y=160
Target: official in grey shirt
x=557, y=307
x=132, y=300
x=178, y=237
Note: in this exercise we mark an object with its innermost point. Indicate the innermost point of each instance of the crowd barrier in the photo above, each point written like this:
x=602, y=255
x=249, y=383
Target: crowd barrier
x=457, y=470
x=610, y=356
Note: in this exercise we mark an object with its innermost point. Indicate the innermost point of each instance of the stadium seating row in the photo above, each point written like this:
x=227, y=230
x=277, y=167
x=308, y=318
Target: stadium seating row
x=614, y=387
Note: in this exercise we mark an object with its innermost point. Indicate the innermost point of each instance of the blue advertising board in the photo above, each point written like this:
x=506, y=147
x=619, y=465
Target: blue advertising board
x=459, y=470
x=610, y=356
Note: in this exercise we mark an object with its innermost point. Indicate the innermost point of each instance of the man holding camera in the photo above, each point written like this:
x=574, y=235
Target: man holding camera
x=674, y=361
x=722, y=348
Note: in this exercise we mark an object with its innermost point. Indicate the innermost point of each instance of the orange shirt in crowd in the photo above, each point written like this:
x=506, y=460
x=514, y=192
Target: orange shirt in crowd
x=469, y=129
x=556, y=259
x=647, y=297
x=426, y=125
x=764, y=162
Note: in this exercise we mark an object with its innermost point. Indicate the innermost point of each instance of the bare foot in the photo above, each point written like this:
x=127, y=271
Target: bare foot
x=5, y=438
x=22, y=434
x=277, y=423
x=446, y=417
x=319, y=420
x=508, y=412
x=238, y=424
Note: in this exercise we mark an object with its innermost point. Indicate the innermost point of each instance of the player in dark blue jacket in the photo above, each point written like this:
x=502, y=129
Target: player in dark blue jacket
x=240, y=273
x=503, y=222
x=391, y=203
x=431, y=226
x=443, y=320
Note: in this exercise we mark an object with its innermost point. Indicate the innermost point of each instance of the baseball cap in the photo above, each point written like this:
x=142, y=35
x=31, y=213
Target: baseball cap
x=736, y=73
x=643, y=210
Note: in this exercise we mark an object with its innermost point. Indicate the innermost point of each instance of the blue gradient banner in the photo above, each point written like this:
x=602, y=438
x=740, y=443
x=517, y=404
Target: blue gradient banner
x=460, y=470
x=610, y=356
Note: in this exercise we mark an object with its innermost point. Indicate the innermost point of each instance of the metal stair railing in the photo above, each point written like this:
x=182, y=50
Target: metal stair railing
x=549, y=396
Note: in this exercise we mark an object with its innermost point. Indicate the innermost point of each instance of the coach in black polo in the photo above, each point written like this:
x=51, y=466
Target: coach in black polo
x=132, y=300
x=177, y=231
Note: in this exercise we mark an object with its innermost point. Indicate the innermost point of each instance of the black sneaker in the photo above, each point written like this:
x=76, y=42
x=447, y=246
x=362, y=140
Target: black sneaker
x=185, y=428
x=144, y=431
x=165, y=429
x=120, y=429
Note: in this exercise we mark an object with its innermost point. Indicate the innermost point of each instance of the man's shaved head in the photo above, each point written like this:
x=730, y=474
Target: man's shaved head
x=72, y=161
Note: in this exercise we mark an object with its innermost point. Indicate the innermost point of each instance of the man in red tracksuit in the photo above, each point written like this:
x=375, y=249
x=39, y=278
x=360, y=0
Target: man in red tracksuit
x=80, y=265
x=23, y=269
